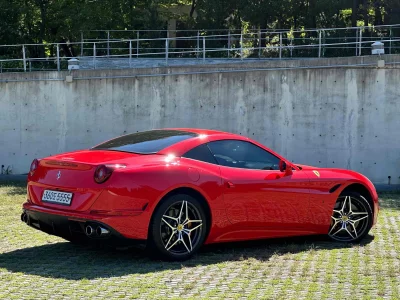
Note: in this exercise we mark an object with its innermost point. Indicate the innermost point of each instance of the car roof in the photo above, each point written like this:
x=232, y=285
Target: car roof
x=205, y=136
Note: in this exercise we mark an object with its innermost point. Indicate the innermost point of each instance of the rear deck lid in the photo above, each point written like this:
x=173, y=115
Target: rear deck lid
x=71, y=175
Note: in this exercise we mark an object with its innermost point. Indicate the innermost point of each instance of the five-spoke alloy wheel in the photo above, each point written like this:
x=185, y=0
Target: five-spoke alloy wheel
x=178, y=227
x=351, y=218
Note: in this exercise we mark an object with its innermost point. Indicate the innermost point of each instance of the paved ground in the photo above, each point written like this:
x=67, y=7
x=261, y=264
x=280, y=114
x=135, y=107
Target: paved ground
x=35, y=265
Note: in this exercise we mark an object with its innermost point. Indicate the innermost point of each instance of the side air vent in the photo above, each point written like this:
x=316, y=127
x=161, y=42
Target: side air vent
x=332, y=190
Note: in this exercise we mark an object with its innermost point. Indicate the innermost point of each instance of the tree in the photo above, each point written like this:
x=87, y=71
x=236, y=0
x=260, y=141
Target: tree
x=61, y=21
x=354, y=13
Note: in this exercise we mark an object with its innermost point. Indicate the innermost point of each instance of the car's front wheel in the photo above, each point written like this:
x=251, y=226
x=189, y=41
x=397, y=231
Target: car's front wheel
x=351, y=218
x=178, y=227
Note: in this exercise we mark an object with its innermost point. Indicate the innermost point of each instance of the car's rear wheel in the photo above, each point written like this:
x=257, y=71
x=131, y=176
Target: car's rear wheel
x=351, y=218
x=178, y=227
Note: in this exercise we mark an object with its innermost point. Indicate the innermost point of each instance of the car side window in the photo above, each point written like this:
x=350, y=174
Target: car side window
x=201, y=153
x=244, y=155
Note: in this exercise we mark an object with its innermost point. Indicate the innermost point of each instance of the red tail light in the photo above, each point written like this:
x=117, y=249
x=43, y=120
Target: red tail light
x=34, y=166
x=102, y=173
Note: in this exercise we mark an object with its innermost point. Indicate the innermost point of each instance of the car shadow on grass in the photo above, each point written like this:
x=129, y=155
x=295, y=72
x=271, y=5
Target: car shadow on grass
x=77, y=262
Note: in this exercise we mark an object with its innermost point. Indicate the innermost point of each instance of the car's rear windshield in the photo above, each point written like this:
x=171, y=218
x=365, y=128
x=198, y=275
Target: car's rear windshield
x=148, y=142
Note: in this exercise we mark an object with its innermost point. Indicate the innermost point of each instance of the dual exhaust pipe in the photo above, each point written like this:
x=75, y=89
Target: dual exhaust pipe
x=90, y=231
x=96, y=232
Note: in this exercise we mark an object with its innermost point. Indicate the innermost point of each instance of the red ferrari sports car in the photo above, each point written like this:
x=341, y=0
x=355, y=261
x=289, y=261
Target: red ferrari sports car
x=175, y=189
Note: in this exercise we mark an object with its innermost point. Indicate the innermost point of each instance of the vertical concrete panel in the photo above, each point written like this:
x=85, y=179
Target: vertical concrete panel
x=289, y=123
x=235, y=106
x=42, y=110
x=156, y=111
x=271, y=111
x=225, y=101
x=257, y=107
x=352, y=130
x=10, y=137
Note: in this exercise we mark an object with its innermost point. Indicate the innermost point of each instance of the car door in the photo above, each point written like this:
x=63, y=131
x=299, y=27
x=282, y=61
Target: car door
x=257, y=193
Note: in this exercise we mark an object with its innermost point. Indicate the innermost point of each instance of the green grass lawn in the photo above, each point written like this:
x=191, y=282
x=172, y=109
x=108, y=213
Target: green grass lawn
x=36, y=265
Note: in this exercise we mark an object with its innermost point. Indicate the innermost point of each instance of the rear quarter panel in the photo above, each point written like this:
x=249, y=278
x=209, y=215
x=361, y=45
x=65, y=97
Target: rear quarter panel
x=142, y=189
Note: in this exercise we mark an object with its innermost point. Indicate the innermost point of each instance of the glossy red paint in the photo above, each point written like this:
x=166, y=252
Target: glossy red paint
x=244, y=204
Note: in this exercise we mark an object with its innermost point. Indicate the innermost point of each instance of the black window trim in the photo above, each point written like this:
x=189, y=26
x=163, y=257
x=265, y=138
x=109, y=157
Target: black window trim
x=131, y=152
x=212, y=155
x=246, y=141
x=216, y=162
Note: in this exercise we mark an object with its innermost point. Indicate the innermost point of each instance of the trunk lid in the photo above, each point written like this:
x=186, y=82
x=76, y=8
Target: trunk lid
x=74, y=173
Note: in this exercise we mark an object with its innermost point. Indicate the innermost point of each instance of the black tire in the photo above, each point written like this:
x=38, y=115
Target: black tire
x=356, y=221
x=162, y=236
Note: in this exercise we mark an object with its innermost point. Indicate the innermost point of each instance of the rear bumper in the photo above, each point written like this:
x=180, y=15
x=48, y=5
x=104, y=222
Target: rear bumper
x=73, y=226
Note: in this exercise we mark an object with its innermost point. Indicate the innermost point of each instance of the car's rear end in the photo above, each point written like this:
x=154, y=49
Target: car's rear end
x=62, y=192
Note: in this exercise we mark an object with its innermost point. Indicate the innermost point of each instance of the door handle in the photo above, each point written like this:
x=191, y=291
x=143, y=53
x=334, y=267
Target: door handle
x=229, y=185
x=274, y=176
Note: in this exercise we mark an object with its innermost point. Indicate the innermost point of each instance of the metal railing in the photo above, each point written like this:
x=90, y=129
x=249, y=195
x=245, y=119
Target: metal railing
x=201, y=47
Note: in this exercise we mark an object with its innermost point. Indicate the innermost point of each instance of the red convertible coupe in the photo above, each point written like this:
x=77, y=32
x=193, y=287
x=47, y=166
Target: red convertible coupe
x=175, y=189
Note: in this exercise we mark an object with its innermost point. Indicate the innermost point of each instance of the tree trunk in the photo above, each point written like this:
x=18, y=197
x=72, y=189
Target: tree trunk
x=337, y=19
x=42, y=22
x=194, y=4
x=263, y=42
x=354, y=13
x=388, y=13
x=378, y=12
x=131, y=14
x=42, y=28
x=311, y=17
x=365, y=12
x=67, y=51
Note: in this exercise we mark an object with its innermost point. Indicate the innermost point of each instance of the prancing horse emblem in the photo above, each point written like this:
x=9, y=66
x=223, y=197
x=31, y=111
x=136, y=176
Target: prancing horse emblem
x=58, y=175
x=317, y=173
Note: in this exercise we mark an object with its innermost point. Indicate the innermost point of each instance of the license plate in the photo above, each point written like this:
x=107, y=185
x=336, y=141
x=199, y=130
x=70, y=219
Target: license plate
x=57, y=197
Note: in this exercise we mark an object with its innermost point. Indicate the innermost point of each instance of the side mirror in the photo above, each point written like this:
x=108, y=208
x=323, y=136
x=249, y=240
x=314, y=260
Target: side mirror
x=285, y=167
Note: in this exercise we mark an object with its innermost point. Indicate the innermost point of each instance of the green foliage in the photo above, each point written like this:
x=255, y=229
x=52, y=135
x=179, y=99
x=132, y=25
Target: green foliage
x=9, y=21
x=61, y=21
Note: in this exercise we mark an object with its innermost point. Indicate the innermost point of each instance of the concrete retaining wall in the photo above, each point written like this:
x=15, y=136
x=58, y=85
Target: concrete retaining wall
x=334, y=117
